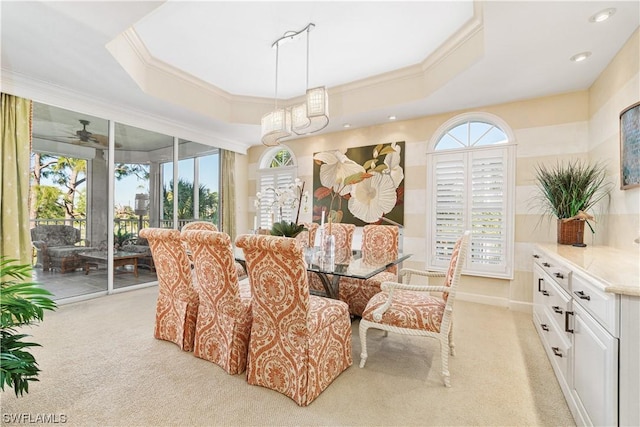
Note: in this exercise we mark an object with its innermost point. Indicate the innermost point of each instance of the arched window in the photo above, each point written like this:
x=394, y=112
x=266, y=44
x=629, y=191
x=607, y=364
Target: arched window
x=277, y=170
x=471, y=186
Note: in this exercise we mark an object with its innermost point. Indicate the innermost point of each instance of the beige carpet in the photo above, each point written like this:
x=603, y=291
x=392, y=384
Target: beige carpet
x=101, y=366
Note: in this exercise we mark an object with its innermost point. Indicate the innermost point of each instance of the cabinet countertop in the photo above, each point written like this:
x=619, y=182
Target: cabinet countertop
x=618, y=270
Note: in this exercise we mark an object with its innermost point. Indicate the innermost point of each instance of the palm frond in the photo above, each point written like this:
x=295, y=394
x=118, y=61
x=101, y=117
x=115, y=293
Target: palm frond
x=21, y=303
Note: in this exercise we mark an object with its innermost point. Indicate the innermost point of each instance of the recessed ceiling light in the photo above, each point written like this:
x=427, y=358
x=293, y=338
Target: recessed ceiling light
x=603, y=15
x=578, y=57
x=392, y=117
x=346, y=125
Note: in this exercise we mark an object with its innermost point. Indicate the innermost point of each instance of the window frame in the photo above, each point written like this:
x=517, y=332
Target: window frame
x=435, y=258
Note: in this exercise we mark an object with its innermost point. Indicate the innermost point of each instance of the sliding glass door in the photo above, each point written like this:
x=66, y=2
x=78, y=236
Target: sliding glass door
x=98, y=192
x=68, y=210
x=137, y=195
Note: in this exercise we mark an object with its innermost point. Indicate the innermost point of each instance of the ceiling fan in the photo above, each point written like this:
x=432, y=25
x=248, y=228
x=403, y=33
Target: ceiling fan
x=84, y=137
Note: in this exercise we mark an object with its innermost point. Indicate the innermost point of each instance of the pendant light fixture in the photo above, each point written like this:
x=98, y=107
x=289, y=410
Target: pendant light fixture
x=313, y=114
x=310, y=116
x=276, y=125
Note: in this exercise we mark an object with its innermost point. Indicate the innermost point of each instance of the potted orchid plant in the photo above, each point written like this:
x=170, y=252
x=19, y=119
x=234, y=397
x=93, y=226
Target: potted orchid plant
x=291, y=197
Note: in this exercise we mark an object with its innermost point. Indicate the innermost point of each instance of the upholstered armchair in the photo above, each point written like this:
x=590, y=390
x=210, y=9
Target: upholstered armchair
x=299, y=342
x=343, y=234
x=57, y=247
x=177, y=305
x=379, y=246
x=224, y=313
x=412, y=309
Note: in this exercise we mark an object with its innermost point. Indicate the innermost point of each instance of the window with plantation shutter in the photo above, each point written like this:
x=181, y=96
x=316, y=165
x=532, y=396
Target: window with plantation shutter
x=471, y=184
x=277, y=171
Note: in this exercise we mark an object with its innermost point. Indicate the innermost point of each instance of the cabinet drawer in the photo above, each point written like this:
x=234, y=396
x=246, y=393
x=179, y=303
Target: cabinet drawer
x=555, y=344
x=550, y=295
x=558, y=304
x=602, y=305
x=553, y=269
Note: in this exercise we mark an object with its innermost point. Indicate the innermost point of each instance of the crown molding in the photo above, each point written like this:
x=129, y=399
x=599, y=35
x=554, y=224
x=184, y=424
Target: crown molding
x=455, y=43
x=62, y=97
x=162, y=80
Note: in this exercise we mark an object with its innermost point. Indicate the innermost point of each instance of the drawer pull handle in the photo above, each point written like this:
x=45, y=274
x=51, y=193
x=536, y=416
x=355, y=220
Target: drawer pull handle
x=557, y=309
x=582, y=295
x=536, y=256
x=544, y=327
x=545, y=293
x=559, y=275
x=566, y=321
x=556, y=351
x=539, y=284
x=546, y=264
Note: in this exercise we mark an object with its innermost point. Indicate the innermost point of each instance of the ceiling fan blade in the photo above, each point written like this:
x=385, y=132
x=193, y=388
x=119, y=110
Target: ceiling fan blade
x=100, y=139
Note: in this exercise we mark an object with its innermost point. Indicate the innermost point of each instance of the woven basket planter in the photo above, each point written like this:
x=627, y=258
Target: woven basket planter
x=570, y=232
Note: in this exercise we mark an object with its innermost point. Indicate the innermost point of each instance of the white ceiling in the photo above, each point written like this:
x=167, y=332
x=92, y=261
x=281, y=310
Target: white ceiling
x=55, y=52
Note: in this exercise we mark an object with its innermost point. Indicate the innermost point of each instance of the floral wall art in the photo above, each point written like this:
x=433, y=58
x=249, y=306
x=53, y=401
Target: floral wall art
x=360, y=185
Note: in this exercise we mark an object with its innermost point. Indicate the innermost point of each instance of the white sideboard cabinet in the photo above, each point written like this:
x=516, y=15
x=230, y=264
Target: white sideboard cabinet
x=587, y=313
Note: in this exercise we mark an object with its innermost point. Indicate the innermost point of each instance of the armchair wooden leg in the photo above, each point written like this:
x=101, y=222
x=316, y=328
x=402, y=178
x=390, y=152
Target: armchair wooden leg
x=444, y=354
x=363, y=344
x=452, y=345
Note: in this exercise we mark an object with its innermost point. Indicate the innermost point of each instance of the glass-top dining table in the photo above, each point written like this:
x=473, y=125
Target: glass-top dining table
x=330, y=274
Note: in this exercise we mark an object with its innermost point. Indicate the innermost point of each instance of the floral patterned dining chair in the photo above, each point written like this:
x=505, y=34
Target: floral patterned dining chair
x=209, y=226
x=307, y=236
x=224, y=313
x=343, y=234
x=379, y=246
x=199, y=225
x=177, y=305
x=299, y=342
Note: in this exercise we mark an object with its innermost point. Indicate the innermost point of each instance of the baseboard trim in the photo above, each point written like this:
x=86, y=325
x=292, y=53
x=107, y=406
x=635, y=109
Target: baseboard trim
x=525, y=307
x=483, y=299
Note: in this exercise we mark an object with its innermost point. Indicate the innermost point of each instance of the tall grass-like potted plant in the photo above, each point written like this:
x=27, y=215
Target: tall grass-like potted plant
x=568, y=192
x=21, y=303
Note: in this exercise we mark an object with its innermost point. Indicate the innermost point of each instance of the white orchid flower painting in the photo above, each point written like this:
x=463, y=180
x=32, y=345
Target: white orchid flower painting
x=362, y=185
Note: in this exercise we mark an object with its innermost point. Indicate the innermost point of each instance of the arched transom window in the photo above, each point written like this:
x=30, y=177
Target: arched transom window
x=470, y=185
x=471, y=134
